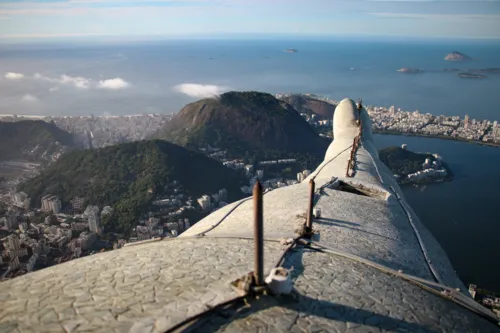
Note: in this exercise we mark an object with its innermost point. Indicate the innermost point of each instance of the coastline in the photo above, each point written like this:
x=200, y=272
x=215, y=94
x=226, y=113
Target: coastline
x=443, y=137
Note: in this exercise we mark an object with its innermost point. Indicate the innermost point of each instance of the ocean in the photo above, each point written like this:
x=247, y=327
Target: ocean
x=335, y=68
x=162, y=76
x=462, y=214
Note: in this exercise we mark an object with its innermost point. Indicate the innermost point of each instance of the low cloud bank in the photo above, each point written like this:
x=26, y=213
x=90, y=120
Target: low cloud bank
x=200, y=90
x=78, y=82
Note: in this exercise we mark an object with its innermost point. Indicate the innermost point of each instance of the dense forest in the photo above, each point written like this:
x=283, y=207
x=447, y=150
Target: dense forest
x=128, y=176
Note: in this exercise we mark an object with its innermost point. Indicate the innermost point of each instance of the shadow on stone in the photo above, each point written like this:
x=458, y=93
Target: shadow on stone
x=298, y=312
x=328, y=221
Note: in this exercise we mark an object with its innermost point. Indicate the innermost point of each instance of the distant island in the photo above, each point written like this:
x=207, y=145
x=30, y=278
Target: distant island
x=485, y=70
x=410, y=70
x=415, y=168
x=291, y=50
x=468, y=75
x=457, y=56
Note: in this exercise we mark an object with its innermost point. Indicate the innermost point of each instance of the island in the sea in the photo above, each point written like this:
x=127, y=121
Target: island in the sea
x=410, y=70
x=469, y=75
x=291, y=50
x=493, y=70
x=457, y=56
x=415, y=168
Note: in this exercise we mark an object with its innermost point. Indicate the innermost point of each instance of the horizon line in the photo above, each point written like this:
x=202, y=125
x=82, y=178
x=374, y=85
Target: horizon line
x=250, y=35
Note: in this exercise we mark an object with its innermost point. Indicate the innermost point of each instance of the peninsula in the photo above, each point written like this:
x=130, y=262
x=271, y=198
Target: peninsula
x=415, y=168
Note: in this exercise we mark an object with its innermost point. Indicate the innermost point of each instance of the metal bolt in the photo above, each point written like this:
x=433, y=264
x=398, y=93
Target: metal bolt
x=311, y=203
x=258, y=235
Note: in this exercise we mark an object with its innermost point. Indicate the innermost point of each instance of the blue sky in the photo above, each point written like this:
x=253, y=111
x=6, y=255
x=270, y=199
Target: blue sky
x=179, y=18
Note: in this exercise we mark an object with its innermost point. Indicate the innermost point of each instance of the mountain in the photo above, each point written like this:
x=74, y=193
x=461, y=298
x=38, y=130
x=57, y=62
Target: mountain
x=33, y=140
x=457, y=56
x=309, y=105
x=130, y=176
x=250, y=125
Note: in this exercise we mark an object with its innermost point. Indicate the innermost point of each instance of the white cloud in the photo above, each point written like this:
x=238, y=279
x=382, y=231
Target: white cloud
x=76, y=81
x=113, y=84
x=200, y=90
x=83, y=82
x=13, y=76
x=29, y=98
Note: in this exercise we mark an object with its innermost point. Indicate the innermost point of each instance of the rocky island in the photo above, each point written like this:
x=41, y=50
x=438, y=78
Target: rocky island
x=410, y=70
x=469, y=75
x=291, y=50
x=457, y=56
x=415, y=168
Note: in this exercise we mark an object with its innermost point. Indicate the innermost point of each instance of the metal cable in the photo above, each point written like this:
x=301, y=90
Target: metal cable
x=226, y=215
x=419, y=238
x=331, y=160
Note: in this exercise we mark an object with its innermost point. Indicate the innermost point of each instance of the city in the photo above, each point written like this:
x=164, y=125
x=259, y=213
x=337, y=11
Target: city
x=35, y=238
x=396, y=121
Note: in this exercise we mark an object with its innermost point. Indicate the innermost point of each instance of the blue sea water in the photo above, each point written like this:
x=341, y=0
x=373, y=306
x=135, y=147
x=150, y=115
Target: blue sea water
x=462, y=214
x=334, y=68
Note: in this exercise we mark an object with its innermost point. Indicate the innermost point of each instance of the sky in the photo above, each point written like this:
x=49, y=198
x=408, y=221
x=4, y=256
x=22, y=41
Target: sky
x=28, y=19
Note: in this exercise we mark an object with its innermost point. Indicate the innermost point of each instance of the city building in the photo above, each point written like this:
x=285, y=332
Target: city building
x=473, y=290
x=496, y=133
x=260, y=174
x=51, y=203
x=23, y=226
x=466, y=121
x=20, y=199
x=87, y=239
x=14, y=264
x=223, y=194
x=152, y=222
x=172, y=226
x=300, y=177
x=303, y=175
x=107, y=210
x=92, y=213
x=204, y=202
x=77, y=252
x=13, y=243
x=10, y=221
x=78, y=203
x=32, y=262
